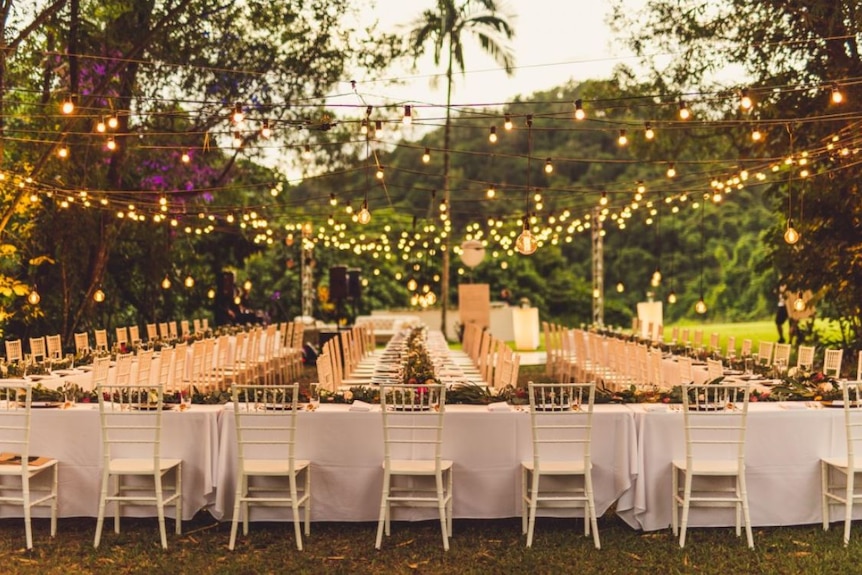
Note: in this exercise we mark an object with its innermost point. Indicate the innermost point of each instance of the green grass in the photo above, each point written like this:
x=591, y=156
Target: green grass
x=477, y=546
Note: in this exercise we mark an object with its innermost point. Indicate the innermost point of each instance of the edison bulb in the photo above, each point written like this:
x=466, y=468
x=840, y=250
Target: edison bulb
x=99, y=296
x=621, y=287
x=700, y=306
x=671, y=297
x=166, y=283
x=364, y=215
x=412, y=284
x=189, y=282
x=526, y=243
x=33, y=298
x=791, y=236
x=656, y=278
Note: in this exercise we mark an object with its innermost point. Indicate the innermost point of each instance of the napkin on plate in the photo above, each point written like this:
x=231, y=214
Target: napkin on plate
x=358, y=405
x=499, y=406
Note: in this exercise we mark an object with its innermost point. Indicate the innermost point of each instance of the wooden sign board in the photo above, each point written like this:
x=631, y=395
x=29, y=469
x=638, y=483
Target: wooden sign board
x=474, y=304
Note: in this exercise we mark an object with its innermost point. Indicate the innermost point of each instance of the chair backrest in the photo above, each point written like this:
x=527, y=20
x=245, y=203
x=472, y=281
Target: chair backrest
x=185, y=330
x=37, y=349
x=413, y=421
x=745, y=351
x=685, y=374
x=196, y=323
x=14, y=351
x=832, y=362
x=805, y=357
x=101, y=337
x=15, y=402
x=764, y=352
x=714, y=369
x=152, y=334
x=781, y=355
x=144, y=359
x=325, y=375
x=54, y=346
x=715, y=342
x=134, y=335
x=172, y=330
x=265, y=417
x=178, y=370
x=131, y=418
x=509, y=368
x=561, y=418
x=124, y=368
x=731, y=347
x=122, y=335
x=82, y=342
x=852, y=394
x=165, y=363
x=100, y=372
x=163, y=330
x=715, y=418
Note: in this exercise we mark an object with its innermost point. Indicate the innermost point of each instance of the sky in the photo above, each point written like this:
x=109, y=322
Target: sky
x=555, y=42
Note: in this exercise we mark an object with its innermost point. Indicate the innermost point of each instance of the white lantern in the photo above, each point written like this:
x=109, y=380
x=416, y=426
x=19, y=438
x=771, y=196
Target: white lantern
x=472, y=253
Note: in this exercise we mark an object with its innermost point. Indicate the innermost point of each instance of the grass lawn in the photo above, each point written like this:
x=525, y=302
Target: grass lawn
x=477, y=546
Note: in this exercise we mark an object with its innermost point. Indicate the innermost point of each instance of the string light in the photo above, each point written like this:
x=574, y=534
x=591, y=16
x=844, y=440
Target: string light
x=507, y=122
x=549, y=166
x=113, y=122
x=799, y=304
x=189, y=282
x=238, y=116
x=237, y=140
x=745, y=100
x=837, y=95
x=363, y=127
x=649, y=133
x=621, y=287
x=265, y=130
x=426, y=157
x=364, y=215
x=407, y=119
x=490, y=193
x=684, y=112
x=33, y=298
x=603, y=201
x=492, y=135
x=111, y=144
x=99, y=295
x=186, y=157
x=379, y=173
x=756, y=135
x=671, y=297
x=791, y=236
x=332, y=199
x=100, y=126
x=68, y=106
x=63, y=152
x=623, y=139
x=579, y=110
x=671, y=171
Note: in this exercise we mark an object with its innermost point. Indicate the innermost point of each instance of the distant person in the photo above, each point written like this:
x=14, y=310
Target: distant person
x=781, y=313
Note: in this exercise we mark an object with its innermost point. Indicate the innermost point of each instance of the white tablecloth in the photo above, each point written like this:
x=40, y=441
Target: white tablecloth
x=784, y=446
x=73, y=437
x=346, y=453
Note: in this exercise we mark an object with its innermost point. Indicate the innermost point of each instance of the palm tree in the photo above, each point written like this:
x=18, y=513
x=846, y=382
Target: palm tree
x=444, y=28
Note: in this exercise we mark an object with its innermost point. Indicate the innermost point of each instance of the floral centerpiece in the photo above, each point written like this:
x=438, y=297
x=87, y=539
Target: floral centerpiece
x=803, y=385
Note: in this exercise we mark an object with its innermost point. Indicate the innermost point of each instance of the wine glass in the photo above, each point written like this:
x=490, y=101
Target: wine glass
x=313, y=396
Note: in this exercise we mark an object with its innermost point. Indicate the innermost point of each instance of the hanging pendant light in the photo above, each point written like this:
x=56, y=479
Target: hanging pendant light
x=526, y=243
x=33, y=298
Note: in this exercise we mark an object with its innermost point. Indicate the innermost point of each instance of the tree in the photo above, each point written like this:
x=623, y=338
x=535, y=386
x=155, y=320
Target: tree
x=444, y=28
x=796, y=57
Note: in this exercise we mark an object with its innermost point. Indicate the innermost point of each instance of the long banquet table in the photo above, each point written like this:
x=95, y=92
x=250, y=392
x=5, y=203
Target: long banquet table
x=346, y=451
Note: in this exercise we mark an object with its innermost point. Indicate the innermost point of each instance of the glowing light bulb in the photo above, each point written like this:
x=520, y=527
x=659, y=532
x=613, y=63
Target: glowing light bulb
x=700, y=306
x=756, y=135
x=99, y=296
x=579, y=110
x=111, y=144
x=621, y=287
x=430, y=298
x=237, y=140
x=211, y=293
x=238, y=116
x=185, y=158
x=412, y=284
x=379, y=173
x=364, y=215
x=649, y=133
x=63, y=152
x=166, y=283
x=113, y=122
x=507, y=122
x=492, y=135
x=684, y=112
x=745, y=100
x=791, y=236
x=671, y=297
x=33, y=298
x=799, y=304
x=426, y=157
x=526, y=243
x=490, y=192
x=407, y=119
x=189, y=282
x=332, y=200
x=623, y=139
x=549, y=166
x=655, y=280
x=671, y=171
x=100, y=126
x=603, y=201
x=837, y=95
x=265, y=130
x=68, y=106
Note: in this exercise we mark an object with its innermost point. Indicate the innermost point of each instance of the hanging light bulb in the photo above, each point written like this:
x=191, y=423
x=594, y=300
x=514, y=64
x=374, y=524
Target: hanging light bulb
x=111, y=144
x=623, y=139
x=621, y=287
x=166, y=283
x=33, y=298
x=526, y=243
x=238, y=116
x=492, y=135
x=655, y=280
x=333, y=201
x=837, y=95
x=671, y=297
x=430, y=298
x=684, y=112
x=189, y=281
x=603, y=201
x=579, y=110
x=799, y=304
x=649, y=133
x=364, y=215
x=745, y=100
x=490, y=192
x=100, y=126
x=186, y=157
x=407, y=119
x=426, y=157
x=791, y=236
x=113, y=122
x=671, y=171
x=363, y=127
x=211, y=293
x=62, y=152
x=412, y=284
x=99, y=296
x=549, y=166
x=700, y=306
x=68, y=106
x=265, y=130
x=756, y=135
x=507, y=122
x=237, y=140
x=379, y=173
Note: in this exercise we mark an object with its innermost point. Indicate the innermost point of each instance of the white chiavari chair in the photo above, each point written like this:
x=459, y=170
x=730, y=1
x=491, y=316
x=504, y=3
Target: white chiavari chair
x=101, y=337
x=37, y=349
x=838, y=474
x=54, y=347
x=805, y=357
x=832, y=362
x=82, y=343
